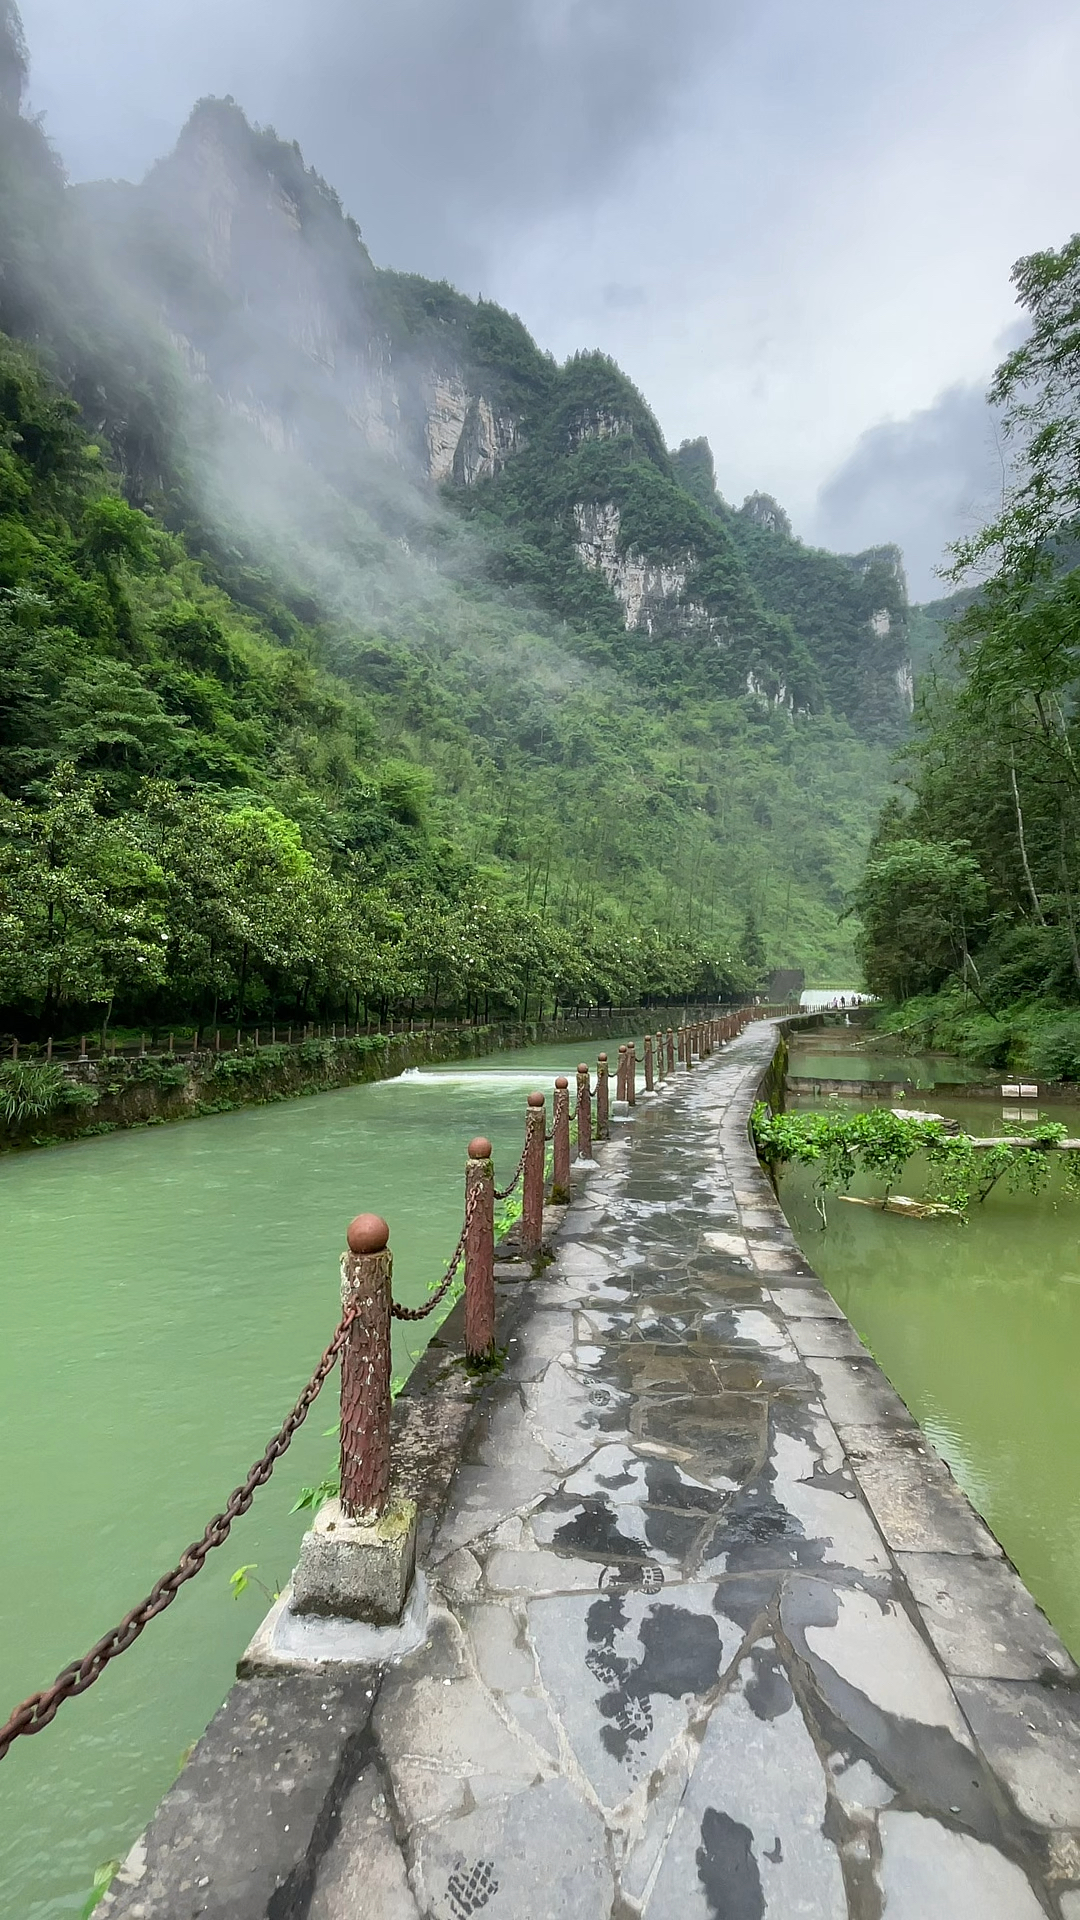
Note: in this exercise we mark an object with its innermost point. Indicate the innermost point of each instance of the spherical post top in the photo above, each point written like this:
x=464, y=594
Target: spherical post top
x=583, y=1068
x=367, y=1234
x=535, y=1100
x=480, y=1149
x=602, y=1058
x=561, y=1083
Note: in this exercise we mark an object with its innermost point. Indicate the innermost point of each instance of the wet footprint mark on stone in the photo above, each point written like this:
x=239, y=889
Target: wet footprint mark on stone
x=727, y=1869
x=470, y=1888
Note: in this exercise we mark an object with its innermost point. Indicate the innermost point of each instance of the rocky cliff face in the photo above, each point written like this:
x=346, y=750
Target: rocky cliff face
x=652, y=594
x=268, y=291
x=269, y=294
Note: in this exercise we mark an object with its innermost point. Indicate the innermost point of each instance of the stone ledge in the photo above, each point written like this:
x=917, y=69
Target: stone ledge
x=240, y=1835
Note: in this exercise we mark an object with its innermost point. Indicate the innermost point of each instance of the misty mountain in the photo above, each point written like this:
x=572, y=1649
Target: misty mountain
x=349, y=563
x=384, y=383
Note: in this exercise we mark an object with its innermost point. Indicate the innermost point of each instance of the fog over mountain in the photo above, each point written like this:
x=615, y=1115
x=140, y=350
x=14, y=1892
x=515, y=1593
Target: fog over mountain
x=793, y=227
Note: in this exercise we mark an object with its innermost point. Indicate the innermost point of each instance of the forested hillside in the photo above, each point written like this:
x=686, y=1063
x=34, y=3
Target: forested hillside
x=971, y=899
x=849, y=612
x=354, y=653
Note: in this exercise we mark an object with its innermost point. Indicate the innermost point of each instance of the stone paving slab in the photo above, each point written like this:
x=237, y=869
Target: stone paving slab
x=712, y=1631
x=715, y=1633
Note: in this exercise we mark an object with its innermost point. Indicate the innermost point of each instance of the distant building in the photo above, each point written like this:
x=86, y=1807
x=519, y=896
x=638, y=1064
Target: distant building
x=785, y=983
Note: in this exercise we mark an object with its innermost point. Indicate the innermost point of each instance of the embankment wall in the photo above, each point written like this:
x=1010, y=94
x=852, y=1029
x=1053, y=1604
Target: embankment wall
x=101, y=1096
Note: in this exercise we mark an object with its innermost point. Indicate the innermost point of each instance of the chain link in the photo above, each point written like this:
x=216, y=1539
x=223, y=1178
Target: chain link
x=42, y=1708
x=503, y=1193
x=421, y=1313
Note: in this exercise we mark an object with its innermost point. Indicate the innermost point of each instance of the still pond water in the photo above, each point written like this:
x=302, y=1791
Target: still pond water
x=165, y=1295
x=977, y=1327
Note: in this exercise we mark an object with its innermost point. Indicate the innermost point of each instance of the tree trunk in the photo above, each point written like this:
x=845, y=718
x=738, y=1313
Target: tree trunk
x=241, y=989
x=1035, y=901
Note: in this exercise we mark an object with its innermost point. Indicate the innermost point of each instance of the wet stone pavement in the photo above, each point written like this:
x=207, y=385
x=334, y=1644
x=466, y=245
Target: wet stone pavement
x=714, y=1635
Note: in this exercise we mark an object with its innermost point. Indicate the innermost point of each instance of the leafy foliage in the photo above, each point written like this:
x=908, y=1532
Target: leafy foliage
x=993, y=774
x=882, y=1144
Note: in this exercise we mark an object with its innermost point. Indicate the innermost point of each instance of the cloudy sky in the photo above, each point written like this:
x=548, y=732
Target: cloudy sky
x=791, y=221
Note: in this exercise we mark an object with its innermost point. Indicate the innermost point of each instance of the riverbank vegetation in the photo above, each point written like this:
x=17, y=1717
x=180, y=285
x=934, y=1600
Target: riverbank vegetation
x=953, y=1172
x=970, y=902
x=197, y=820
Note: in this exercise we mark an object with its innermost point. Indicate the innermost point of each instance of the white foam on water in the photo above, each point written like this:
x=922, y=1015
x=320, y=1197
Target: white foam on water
x=506, y=1078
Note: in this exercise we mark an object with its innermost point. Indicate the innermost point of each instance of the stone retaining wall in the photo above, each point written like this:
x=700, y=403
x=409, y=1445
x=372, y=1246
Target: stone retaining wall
x=120, y=1092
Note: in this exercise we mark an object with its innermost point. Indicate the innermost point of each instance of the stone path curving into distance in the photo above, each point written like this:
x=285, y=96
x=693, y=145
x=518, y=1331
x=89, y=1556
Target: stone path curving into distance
x=714, y=1636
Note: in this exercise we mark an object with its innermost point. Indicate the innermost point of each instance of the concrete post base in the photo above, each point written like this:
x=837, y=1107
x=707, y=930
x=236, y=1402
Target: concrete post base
x=620, y=1110
x=351, y=1570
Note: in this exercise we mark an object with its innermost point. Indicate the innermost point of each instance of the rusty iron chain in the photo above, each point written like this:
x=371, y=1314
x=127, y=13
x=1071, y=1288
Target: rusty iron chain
x=41, y=1708
x=503, y=1193
x=421, y=1313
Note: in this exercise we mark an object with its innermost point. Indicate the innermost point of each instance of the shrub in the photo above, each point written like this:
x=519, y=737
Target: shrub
x=1054, y=1049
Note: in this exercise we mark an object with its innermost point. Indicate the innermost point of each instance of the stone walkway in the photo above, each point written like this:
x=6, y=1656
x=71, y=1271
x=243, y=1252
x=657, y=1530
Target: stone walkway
x=713, y=1632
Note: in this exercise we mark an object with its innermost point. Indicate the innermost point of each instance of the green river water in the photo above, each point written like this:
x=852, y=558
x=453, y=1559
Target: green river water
x=166, y=1294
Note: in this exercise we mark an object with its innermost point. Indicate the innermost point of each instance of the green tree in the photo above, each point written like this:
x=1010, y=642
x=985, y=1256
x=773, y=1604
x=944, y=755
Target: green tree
x=81, y=904
x=921, y=905
x=752, y=947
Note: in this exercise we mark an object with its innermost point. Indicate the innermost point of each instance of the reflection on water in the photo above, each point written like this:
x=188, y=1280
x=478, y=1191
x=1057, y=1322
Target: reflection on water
x=846, y=1053
x=978, y=1328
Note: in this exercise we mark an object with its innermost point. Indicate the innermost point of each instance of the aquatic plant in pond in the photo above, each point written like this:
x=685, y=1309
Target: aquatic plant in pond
x=882, y=1143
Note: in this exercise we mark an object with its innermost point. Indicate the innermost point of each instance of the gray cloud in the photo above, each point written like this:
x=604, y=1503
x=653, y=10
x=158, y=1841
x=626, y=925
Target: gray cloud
x=490, y=111
x=438, y=124
x=920, y=483
x=786, y=222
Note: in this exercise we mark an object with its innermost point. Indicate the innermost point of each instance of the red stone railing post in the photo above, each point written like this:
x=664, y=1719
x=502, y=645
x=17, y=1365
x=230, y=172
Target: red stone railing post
x=631, y=1074
x=649, y=1083
x=560, y=1183
x=671, y=1049
x=688, y=1048
x=532, y=1192
x=603, y=1121
x=620, y=1076
x=479, y=1252
x=584, y=1114
x=366, y=1271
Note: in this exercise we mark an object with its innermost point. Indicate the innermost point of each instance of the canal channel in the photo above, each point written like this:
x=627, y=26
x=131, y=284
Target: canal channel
x=166, y=1293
